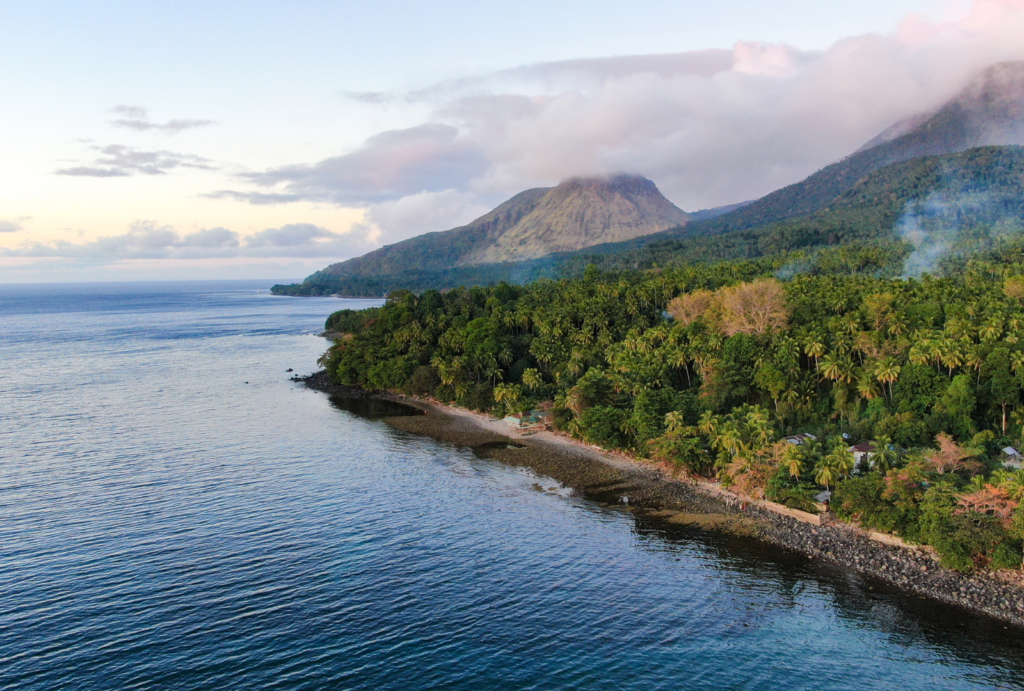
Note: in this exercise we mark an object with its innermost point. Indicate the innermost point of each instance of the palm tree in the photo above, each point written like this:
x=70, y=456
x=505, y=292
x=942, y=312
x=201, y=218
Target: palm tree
x=830, y=368
x=825, y=474
x=883, y=455
x=840, y=458
x=887, y=371
x=674, y=421
x=509, y=395
x=1013, y=484
x=793, y=461
x=866, y=387
x=708, y=423
x=951, y=356
x=918, y=354
x=532, y=379
x=815, y=349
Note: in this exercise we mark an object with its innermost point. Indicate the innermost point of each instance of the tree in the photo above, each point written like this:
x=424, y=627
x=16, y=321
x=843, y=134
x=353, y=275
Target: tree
x=758, y=307
x=509, y=397
x=532, y=379
x=887, y=371
x=840, y=457
x=958, y=402
x=690, y=307
x=793, y=460
x=1003, y=385
x=950, y=456
x=825, y=474
x=883, y=455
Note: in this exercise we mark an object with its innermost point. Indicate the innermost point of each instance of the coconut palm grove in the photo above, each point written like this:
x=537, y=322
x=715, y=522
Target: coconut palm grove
x=705, y=369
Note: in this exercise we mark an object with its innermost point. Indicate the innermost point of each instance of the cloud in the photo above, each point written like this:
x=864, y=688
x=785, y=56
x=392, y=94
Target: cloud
x=137, y=118
x=709, y=127
x=426, y=158
x=375, y=98
x=148, y=240
x=116, y=160
x=13, y=225
x=255, y=197
x=419, y=213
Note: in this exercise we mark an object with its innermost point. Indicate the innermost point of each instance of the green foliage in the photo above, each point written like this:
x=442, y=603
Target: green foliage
x=423, y=382
x=602, y=425
x=650, y=408
x=682, y=449
x=861, y=499
x=349, y=321
x=889, y=361
x=791, y=491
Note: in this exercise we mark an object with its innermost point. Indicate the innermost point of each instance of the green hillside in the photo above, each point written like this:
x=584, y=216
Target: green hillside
x=959, y=201
x=950, y=197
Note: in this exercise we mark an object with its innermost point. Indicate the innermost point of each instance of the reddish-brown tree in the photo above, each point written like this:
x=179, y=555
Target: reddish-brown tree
x=690, y=307
x=950, y=456
x=754, y=308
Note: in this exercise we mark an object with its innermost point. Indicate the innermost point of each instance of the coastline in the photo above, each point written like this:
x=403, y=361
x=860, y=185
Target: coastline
x=628, y=484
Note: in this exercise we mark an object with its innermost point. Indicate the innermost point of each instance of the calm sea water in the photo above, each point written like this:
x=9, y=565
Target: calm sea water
x=175, y=513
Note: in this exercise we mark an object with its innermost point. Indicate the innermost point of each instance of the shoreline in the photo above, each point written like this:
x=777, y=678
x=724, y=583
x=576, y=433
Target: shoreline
x=628, y=484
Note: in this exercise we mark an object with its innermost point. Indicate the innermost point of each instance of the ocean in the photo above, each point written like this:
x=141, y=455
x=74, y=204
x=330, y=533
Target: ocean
x=176, y=513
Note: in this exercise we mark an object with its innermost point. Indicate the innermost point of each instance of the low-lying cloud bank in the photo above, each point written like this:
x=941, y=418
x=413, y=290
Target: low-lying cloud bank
x=147, y=240
x=709, y=127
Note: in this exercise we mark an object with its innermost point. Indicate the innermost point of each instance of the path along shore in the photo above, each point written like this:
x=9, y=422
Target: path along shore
x=619, y=480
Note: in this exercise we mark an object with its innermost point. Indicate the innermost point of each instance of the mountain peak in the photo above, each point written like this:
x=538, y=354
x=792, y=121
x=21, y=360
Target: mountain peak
x=585, y=211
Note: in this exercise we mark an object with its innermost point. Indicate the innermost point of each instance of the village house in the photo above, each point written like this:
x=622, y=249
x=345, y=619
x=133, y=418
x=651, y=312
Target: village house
x=800, y=439
x=1011, y=458
x=532, y=421
x=863, y=452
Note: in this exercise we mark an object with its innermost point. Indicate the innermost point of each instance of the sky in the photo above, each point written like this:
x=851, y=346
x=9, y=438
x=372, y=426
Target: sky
x=266, y=140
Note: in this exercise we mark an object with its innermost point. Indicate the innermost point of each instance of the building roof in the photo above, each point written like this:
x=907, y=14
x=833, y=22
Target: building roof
x=1010, y=451
x=863, y=447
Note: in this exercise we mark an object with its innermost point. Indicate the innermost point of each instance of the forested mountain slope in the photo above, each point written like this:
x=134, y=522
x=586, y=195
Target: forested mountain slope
x=934, y=206
x=990, y=111
x=578, y=213
x=925, y=201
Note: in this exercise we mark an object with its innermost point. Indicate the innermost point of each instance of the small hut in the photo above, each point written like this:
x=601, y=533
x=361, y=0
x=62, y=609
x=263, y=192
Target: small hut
x=529, y=422
x=1011, y=458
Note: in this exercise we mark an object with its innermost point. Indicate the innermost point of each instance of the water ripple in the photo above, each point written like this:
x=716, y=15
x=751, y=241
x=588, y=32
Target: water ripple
x=164, y=524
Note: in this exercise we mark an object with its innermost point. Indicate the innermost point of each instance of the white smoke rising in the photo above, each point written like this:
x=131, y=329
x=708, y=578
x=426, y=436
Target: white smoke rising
x=947, y=222
x=930, y=243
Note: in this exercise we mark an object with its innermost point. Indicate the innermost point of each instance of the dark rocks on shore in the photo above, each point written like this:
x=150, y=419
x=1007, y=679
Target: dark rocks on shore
x=650, y=493
x=319, y=381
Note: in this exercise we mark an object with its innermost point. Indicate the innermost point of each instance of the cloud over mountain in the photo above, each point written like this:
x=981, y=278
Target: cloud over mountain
x=709, y=127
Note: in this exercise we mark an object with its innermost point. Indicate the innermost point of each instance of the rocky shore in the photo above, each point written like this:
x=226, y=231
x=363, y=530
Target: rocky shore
x=612, y=480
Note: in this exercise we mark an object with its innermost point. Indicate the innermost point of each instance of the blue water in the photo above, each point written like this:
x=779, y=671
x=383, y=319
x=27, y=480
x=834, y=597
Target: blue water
x=175, y=513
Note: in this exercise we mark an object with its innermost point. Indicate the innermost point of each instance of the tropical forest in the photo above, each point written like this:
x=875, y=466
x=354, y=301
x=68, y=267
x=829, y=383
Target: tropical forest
x=707, y=368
